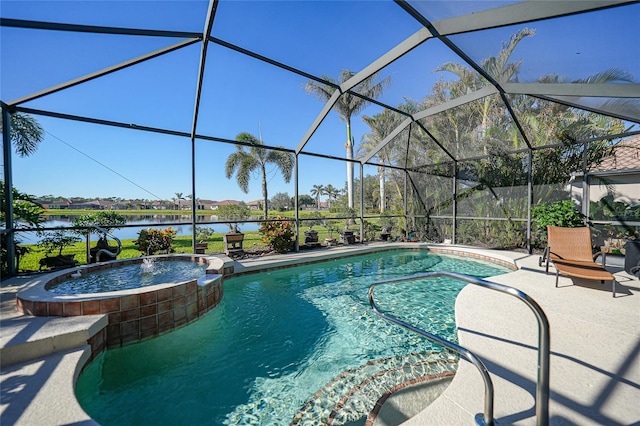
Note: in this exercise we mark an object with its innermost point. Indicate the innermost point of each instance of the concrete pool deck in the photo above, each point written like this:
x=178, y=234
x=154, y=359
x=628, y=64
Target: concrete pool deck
x=595, y=351
x=595, y=345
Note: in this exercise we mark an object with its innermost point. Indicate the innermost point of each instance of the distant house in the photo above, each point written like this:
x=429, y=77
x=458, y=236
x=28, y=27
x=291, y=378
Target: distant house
x=204, y=204
x=92, y=205
x=160, y=205
x=137, y=204
x=123, y=205
x=618, y=175
x=216, y=204
x=182, y=205
x=255, y=205
x=62, y=205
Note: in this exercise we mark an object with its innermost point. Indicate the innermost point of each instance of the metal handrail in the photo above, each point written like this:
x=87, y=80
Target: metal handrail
x=105, y=251
x=544, y=341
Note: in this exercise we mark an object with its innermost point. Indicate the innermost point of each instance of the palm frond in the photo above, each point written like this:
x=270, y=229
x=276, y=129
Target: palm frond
x=321, y=91
x=243, y=176
x=26, y=134
x=284, y=161
x=463, y=72
x=247, y=137
x=242, y=164
x=609, y=76
x=502, y=71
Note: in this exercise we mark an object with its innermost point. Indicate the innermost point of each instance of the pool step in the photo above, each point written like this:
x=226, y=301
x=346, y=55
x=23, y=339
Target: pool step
x=353, y=394
x=25, y=338
x=42, y=391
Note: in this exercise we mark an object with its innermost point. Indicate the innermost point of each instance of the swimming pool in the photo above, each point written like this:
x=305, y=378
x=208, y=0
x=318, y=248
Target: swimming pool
x=280, y=340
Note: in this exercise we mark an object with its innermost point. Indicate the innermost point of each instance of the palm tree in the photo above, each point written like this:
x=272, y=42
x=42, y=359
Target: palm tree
x=347, y=106
x=316, y=192
x=331, y=192
x=243, y=163
x=26, y=133
x=381, y=125
x=500, y=69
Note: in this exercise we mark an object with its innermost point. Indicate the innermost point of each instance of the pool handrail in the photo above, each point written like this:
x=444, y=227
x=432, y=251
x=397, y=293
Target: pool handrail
x=544, y=340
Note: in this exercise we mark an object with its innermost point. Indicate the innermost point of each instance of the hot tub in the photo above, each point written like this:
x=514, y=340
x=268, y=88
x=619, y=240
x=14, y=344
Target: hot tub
x=135, y=314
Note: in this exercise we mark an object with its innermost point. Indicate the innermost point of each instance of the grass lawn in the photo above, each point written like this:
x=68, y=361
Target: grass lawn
x=30, y=262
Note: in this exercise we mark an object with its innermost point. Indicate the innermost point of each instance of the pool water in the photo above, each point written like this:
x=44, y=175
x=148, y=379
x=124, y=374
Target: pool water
x=276, y=339
x=130, y=277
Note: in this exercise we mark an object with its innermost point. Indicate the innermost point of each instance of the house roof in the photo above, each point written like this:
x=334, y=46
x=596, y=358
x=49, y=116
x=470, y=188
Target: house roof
x=625, y=157
x=94, y=203
x=225, y=202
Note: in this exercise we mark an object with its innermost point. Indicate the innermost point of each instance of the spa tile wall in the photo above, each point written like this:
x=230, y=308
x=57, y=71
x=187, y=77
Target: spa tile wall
x=137, y=317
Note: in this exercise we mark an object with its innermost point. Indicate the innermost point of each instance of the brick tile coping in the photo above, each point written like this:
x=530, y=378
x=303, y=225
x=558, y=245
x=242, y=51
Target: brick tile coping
x=475, y=255
x=134, y=314
x=253, y=266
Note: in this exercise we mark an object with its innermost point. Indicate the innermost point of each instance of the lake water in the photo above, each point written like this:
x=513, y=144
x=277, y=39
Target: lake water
x=136, y=223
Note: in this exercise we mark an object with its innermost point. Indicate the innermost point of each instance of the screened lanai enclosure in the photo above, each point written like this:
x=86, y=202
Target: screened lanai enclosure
x=452, y=118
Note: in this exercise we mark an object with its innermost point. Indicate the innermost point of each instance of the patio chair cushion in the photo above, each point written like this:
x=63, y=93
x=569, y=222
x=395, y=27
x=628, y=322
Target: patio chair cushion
x=570, y=253
x=570, y=243
x=581, y=269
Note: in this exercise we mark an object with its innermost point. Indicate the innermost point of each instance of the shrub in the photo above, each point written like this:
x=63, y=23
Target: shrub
x=152, y=241
x=559, y=213
x=25, y=210
x=233, y=212
x=57, y=240
x=608, y=209
x=371, y=230
x=312, y=219
x=278, y=234
x=203, y=234
x=387, y=223
x=332, y=226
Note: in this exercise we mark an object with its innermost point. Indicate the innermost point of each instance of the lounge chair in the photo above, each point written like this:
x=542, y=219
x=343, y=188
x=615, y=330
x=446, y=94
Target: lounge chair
x=569, y=250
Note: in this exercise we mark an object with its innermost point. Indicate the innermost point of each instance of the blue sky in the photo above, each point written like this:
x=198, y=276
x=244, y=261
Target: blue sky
x=239, y=93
